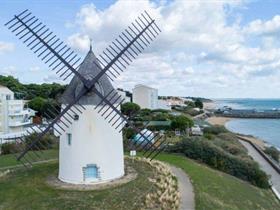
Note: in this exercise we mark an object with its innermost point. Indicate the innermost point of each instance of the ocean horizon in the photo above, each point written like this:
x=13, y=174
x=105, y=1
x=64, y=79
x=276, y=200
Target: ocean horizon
x=264, y=129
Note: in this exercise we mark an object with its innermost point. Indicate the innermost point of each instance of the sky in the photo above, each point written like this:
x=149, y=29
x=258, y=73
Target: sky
x=210, y=48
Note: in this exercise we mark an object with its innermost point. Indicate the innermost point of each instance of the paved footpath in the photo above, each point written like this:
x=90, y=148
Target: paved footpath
x=265, y=166
x=185, y=188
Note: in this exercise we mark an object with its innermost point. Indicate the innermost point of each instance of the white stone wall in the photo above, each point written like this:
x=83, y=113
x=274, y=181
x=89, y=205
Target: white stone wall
x=94, y=141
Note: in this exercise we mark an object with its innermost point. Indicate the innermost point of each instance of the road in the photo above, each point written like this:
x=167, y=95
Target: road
x=265, y=166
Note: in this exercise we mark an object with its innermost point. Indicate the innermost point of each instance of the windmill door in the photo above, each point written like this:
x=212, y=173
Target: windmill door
x=91, y=172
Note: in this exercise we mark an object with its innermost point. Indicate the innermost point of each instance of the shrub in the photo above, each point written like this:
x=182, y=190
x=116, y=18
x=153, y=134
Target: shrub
x=217, y=129
x=145, y=112
x=272, y=152
x=214, y=156
x=209, y=136
x=160, y=111
x=159, y=127
x=46, y=142
x=9, y=148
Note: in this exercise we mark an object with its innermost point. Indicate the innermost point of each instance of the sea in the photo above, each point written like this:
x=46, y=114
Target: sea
x=265, y=129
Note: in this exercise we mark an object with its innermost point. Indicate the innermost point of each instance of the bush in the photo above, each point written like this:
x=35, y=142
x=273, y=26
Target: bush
x=159, y=127
x=209, y=136
x=9, y=148
x=217, y=129
x=48, y=141
x=160, y=111
x=216, y=157
x=272, y=152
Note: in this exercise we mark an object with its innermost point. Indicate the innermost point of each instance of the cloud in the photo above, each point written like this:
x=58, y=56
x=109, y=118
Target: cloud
x=9, y=71
x=6, y=47
x=198, y=51
x=34, y=69
x=80, y=42
x=267, y=28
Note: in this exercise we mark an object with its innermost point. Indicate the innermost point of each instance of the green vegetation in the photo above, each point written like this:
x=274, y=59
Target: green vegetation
x=222, y=150
x=48, y=141
x=9, y=148
x=215, y=190
x=198, y=103
x=29, y=91
x=10, y=160
x=188, y=110
x=41, y=105
x=273, y=152
x=181, y=122
x=23, y=189
x=216, y=129
x=129, y=108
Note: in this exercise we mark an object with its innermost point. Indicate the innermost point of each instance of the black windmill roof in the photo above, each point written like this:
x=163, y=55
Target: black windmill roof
x=89, y=70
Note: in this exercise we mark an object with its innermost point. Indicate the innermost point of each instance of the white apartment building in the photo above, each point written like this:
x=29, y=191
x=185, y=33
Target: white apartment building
x=124, y=96
x=145, y=97
x=13, y=116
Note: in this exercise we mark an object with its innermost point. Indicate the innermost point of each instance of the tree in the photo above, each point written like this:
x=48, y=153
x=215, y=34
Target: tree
x=190, y=104
x=29, y=91
x=37, y=104
x=181, y=122
x=129, y=108
x=198, y=103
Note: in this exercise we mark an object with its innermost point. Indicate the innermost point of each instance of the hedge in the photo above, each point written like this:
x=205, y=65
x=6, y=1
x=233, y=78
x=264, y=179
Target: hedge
x=206, y=152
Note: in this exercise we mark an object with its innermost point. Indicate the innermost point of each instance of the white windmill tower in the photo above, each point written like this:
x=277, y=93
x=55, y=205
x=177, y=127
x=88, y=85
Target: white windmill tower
x=90, y=150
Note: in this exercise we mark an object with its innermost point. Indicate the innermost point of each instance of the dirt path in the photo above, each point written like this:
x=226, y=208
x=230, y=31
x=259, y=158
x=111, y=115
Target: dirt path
x=185, y=188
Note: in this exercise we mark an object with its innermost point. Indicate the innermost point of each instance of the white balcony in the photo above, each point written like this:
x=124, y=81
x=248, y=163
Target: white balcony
x=17, y=124
x=29, y=112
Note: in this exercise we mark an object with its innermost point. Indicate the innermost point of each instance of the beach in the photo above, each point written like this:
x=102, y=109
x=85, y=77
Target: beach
x=218, y=120
x=222, y=122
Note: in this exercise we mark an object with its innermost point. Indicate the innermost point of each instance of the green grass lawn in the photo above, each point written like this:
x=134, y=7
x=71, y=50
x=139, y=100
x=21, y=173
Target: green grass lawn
x=213, y=190
x=219, y=191
x=27, y=190
x=10, y=160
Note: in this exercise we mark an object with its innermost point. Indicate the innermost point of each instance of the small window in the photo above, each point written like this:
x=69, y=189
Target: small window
x=8, y=97
x=69, y=138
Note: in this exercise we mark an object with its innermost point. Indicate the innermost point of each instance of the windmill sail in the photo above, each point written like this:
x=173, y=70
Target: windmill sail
x=65, y=62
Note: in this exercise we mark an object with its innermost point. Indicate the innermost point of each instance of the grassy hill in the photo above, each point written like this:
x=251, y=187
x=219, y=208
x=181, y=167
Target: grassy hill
x=214, y=190
x=24, y=190
x=219, y=191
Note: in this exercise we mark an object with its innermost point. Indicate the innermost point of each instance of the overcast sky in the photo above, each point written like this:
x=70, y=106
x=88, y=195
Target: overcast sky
x=211, y=48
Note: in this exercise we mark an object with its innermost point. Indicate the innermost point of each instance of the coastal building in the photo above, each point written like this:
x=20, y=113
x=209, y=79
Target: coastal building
x=14, y=118
x=146, y=97
x=196, y=131
x=127, y=96
x=164, y=104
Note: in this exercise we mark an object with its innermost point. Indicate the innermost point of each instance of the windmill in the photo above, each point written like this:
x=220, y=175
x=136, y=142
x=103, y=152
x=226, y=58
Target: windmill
x=89, y=101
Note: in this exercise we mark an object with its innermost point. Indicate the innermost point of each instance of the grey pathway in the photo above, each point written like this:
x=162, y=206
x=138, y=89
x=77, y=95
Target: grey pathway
x=265, y=166
x=185, y=188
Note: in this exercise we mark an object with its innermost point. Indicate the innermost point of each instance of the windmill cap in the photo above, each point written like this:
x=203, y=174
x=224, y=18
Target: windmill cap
x=89, y=69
